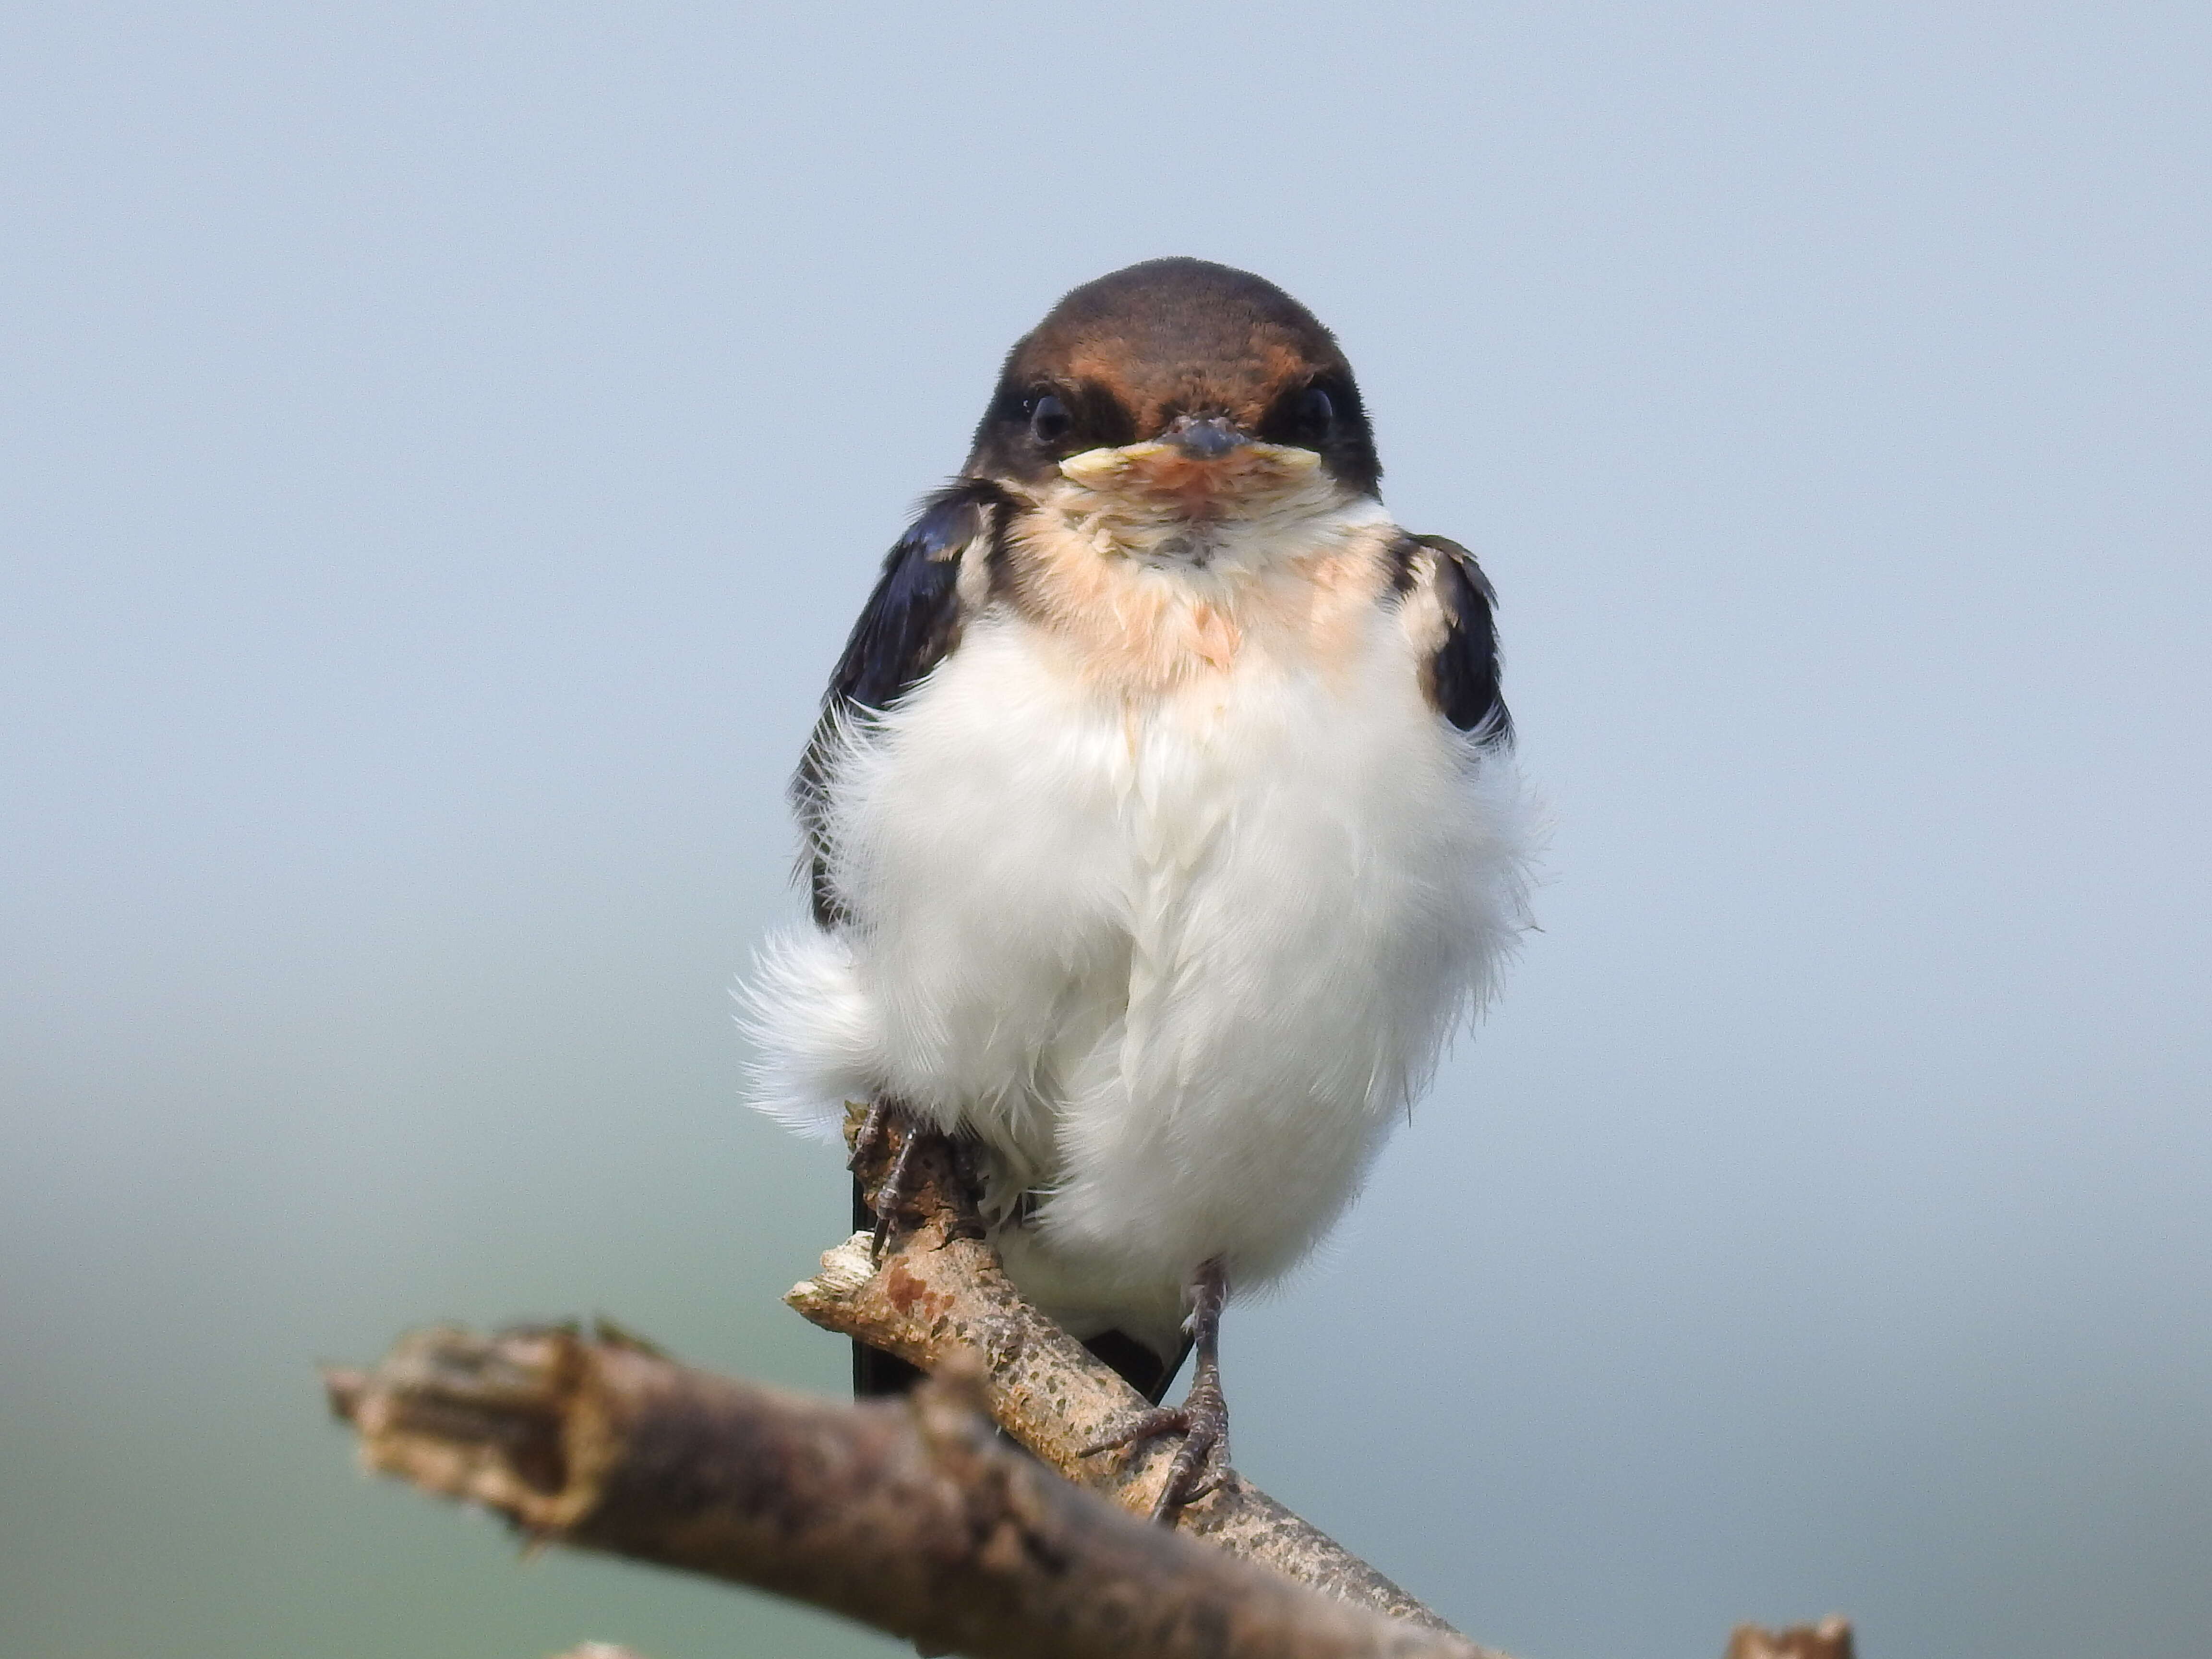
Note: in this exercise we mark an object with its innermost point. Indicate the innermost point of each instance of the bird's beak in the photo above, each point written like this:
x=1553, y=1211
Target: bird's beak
x=1195, y=466
x=1207, y=439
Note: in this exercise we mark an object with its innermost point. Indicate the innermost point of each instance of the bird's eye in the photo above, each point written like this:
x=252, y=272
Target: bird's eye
x=1049, y=421
x=1305, y=418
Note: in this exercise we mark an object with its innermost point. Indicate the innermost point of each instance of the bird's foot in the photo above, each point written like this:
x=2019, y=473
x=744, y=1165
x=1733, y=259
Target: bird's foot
x=889, y=1128
x=1201, y=1462
x=867, y=1138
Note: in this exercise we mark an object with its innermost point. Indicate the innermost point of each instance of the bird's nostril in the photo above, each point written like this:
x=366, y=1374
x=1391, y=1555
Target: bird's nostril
x=1208, y=439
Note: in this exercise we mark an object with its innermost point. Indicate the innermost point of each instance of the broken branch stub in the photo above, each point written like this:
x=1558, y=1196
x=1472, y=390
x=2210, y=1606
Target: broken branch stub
x=1829, y=1639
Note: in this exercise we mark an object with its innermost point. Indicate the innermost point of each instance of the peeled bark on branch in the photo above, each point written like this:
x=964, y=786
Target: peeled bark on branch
x=939, y=1295
x=910, y=1515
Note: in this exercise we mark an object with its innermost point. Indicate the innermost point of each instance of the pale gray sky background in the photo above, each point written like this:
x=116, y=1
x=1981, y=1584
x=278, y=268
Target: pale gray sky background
x=444, y=447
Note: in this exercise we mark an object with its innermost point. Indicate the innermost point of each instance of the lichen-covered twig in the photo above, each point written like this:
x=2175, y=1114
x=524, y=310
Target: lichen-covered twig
x=939, y=1294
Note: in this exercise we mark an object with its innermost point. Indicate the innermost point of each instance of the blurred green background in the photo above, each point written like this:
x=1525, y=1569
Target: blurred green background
x=444, y=447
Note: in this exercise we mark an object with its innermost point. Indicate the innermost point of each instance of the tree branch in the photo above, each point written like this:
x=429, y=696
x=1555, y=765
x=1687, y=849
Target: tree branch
x=910, y=1515
x=939, y=1294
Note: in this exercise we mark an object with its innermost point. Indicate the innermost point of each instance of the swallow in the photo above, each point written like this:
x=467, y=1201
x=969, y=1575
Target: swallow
x=1161, y=825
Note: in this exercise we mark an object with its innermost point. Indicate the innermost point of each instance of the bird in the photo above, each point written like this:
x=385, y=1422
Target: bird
x=1161, y=825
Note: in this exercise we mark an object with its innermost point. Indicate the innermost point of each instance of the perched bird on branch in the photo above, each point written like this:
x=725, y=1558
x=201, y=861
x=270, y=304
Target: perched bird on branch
x=1161, y=822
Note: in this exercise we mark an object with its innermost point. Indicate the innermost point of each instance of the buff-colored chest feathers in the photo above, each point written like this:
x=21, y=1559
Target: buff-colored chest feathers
x=1147, y=606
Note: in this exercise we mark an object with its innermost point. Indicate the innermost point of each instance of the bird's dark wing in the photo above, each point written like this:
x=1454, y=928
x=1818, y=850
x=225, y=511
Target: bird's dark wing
x=1461, y=678
x=911, y=623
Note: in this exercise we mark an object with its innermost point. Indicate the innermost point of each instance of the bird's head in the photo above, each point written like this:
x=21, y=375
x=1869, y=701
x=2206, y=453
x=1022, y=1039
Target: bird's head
x=1177, y=391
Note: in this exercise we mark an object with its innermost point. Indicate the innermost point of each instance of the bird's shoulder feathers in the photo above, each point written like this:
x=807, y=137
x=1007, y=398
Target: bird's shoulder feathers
x=911, y=623
x=1460, y=667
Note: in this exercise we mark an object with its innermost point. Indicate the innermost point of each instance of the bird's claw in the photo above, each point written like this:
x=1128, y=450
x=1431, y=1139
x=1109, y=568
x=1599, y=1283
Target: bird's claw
x=870, y=1135
x=892, y=1191
x=1145, y=1425
x=1201, y=1462
x=892, y=1195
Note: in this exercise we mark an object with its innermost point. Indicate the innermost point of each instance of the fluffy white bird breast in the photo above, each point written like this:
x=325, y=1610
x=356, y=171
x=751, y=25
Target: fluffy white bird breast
x=1180, y=953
